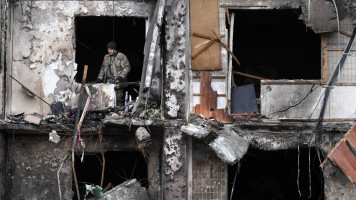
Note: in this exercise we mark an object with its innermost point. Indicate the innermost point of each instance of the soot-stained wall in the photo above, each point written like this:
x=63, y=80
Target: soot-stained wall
x=41, y=53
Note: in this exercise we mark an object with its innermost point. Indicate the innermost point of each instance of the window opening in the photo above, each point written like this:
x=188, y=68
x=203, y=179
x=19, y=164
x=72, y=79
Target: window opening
x=93, y=34
x=275, y=44
x=273, y=175
x=120, y=166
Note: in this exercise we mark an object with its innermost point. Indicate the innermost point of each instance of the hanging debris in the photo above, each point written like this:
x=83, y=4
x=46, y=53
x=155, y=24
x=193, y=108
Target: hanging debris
x=130, y=189
x=54, y=137
x=225, y=142
x=142, y=135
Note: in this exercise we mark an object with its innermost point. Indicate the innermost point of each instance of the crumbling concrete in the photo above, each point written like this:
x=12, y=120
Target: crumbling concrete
x=195, y=130
x=173, y=165
x=151, y=52
x=229, y=146
x=142, y=134
x=224, y=141
x=336, y=184
x=128, y=190
x=320, y=15
x=174, y=59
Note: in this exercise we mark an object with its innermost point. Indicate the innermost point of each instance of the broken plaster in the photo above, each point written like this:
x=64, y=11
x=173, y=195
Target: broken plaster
x=172, y=152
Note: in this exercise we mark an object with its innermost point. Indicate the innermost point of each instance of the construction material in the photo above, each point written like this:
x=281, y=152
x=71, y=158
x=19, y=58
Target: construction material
x=243, y=99
x=204, y=16
x=54, y=137
x=249, y=75
x=242, y=5
x=208, y=101
x=203, y=49
x=142, y=135
x=343, y=154
x=33, y=119
x=226, y=47
x=229, y=146
x=130, y=189
x=228, y=15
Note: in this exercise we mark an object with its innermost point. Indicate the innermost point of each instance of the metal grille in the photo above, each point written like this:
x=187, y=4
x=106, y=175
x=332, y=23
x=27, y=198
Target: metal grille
x=335, y=48
x=209, y=180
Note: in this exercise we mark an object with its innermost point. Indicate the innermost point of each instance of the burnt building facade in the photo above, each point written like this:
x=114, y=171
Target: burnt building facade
x=233, y=99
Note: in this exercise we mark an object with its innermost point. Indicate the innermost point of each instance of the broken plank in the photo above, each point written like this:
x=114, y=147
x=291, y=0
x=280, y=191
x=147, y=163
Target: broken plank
x=226, y=47
x=212, y=77
x=338, y=158
x=204, y=36
x=324, y=42
x=219, y=95
x=249, y=75
x=228, y=15
x=242, y=5
x=203, y=49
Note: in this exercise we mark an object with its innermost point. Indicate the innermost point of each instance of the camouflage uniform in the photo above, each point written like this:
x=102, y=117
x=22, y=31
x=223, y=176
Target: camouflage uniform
x=114, y=66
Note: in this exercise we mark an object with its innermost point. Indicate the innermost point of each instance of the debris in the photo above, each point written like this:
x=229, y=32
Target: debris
x=229, y=146
x=195, y=130
x=142, y=135
x=33, y=119
x=208, y=101
x=128, y=190
x=225, y=142
x=94, y=189
x=113, y=115
x=243, y=99
x=54, y=137
x=57, y=108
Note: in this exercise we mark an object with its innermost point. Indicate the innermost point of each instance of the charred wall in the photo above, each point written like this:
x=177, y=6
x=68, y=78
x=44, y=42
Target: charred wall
x=33, y=162
x=174, y=58
x=41, y=53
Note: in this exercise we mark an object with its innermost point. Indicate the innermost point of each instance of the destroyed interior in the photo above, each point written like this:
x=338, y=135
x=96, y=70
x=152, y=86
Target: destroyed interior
x=178, y=100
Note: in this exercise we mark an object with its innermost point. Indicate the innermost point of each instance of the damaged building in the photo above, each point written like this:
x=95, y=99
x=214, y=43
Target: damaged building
x=226, y=99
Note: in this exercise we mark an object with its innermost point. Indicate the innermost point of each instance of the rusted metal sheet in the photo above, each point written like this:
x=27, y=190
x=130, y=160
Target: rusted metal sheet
x=204, y=17
x=208, y=101
x=344, y=155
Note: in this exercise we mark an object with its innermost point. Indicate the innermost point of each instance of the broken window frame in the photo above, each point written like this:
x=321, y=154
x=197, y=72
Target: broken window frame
x=230, y=34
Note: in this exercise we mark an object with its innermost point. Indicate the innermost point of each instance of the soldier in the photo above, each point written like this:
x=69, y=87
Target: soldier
x=114, y=69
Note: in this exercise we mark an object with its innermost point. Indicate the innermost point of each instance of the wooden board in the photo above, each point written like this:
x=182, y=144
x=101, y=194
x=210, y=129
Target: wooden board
x=208, y=101
x=343, y=156
x=204, y=17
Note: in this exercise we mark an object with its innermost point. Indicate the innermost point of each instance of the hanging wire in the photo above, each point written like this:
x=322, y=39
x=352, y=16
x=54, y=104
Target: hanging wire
x=113, y=20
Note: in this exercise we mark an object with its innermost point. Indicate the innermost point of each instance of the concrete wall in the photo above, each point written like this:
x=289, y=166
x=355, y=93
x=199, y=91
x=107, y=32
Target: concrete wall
x=174, y=55
x=303, y=101
x=174, y=168
x=33, y=162
x=32, y=166
x=41, y=48
x=3, y=147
